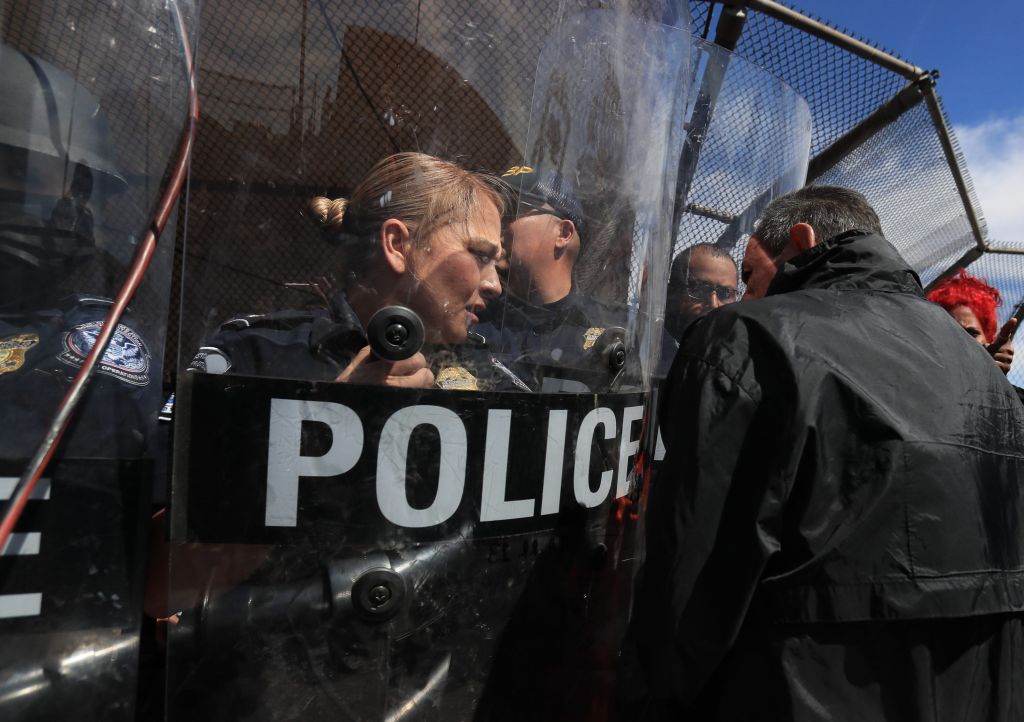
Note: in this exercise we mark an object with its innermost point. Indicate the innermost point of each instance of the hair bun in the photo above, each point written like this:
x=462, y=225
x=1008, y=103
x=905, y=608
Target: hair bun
x=328, y=214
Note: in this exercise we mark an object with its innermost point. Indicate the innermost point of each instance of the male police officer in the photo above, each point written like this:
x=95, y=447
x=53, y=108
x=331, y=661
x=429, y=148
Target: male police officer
x=543, y=326
x=836, y=529
x=55, y=172
x=68, y=580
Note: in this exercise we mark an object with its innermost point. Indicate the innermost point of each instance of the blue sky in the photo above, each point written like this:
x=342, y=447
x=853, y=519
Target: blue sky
x=977, y=46
x=979, y=49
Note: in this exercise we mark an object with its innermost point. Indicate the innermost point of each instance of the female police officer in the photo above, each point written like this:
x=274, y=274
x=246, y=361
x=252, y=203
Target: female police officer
x=417, y=231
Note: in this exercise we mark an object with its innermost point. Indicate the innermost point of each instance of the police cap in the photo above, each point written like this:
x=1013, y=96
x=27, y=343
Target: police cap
x=539, y=186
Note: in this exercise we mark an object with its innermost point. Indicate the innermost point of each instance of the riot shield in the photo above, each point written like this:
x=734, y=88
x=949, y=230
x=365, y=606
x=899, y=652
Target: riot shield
x=93, y=106
x=411, y=492
x=748, y=142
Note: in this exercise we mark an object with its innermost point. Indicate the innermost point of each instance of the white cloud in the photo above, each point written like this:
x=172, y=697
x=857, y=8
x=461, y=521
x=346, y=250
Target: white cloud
x=995, y=160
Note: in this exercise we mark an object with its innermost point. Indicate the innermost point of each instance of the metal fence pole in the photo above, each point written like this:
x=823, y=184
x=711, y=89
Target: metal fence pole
x=831, y=35
x=972, y=255
x=945, y=139
x=886, y=114
x=727, y=34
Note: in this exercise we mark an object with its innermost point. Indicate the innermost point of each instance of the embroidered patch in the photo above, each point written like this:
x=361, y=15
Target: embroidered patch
x=590, y=337
x=12, y=351
x=456, y=378
x=126, y=358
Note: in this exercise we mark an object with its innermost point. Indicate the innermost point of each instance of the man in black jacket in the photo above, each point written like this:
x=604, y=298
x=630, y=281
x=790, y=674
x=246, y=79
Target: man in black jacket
x=836, y=532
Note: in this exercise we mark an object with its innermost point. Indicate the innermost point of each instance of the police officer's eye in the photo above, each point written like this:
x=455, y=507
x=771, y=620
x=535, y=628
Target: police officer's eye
x=745, y=275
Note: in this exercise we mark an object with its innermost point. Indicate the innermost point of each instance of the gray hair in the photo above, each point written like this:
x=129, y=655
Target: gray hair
x=829, y=210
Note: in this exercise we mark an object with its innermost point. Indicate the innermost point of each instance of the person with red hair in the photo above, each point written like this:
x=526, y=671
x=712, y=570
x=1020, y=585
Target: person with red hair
x=972, y=303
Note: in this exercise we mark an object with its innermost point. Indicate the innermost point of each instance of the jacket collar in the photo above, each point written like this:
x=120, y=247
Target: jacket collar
x=852, y=260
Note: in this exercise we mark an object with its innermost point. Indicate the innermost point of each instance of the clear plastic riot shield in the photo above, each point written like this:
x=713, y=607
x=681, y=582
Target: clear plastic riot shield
x=748, y=142
x=93, y=111
x=407, y=454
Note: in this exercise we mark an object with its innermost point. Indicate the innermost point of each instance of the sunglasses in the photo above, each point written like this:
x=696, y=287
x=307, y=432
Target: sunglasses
x=701, y=291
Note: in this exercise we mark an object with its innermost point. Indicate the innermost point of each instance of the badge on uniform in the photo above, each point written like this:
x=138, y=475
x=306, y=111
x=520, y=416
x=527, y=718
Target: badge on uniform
x=517, y=170
x=126, y=358
x=12, y=351
x=456, y=378
x=590, y=337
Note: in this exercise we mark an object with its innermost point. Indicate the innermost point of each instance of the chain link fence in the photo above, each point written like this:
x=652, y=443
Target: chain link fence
x=299, y=98
x=897, y=159
x=283, y=83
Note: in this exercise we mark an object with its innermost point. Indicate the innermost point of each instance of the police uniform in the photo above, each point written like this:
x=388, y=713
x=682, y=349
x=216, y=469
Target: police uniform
x=554, y=346
x=40, y=353
x=315, y=345
x=557, y=346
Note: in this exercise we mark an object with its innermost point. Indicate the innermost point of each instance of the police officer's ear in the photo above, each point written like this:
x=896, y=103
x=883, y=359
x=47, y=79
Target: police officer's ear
x=396, y=242
x=803, y=237
x=566, y=233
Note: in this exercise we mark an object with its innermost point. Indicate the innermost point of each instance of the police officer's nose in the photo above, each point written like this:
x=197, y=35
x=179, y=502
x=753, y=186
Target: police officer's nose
x=490, y=284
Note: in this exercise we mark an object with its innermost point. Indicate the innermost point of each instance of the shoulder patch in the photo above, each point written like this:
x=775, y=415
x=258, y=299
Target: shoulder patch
x=590, y=337
x=278, y=320
x=126, y=358
x=456, y=378
x=13, y=349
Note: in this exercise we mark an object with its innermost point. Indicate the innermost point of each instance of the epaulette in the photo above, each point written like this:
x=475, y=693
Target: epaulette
x=89, y=300
x=278, y=320
x=82, y=299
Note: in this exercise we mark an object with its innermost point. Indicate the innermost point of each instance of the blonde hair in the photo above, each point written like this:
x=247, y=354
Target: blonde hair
x=420, y=190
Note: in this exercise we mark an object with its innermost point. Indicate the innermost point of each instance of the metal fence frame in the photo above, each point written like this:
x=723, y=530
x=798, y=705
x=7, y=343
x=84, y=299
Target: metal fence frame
x=920, y=87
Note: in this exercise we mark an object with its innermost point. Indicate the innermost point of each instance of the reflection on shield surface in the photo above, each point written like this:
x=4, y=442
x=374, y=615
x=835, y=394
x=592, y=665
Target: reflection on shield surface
x=352, y=551
x=94, y=112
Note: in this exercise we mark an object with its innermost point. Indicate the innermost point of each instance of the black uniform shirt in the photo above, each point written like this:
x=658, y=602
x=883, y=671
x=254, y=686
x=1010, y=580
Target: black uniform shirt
x=319, y=344
x=315, y=345
x=554, y=346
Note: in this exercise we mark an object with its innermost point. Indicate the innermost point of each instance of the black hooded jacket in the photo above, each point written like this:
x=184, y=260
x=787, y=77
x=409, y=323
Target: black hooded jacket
x=836, y=531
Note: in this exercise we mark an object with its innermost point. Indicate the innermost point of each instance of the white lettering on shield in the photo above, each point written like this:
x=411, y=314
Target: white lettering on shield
x=493, y=505
x=391, y=466
x=286, y=464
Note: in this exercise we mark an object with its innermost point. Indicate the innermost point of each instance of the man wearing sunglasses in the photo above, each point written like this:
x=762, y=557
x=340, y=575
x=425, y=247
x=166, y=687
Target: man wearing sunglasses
x=703, y=277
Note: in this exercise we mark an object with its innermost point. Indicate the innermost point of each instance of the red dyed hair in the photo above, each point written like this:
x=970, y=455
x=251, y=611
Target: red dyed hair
x=964, y=289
